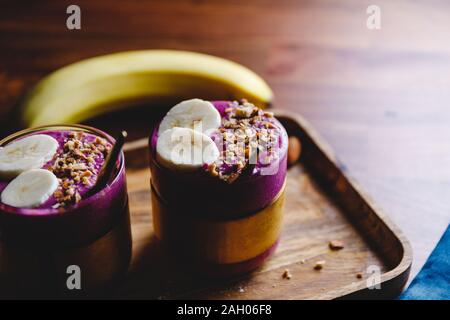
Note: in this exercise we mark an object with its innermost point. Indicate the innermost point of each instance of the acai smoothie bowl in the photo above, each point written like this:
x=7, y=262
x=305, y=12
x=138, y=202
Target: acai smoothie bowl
x=52, y=220
x=218, y=172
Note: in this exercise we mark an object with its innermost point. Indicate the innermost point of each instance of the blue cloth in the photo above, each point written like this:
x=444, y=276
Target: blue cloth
x=433, y=281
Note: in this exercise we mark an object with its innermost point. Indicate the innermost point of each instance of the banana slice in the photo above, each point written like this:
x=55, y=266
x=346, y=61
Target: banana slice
x=28, y=153
x=30, y=189
x=185, y=149
x=195, y=114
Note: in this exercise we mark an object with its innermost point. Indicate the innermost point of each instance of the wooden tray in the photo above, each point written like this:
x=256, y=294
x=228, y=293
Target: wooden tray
x=322, y=204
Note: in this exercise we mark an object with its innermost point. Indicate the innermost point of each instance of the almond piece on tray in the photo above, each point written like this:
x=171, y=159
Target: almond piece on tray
x=336, y=245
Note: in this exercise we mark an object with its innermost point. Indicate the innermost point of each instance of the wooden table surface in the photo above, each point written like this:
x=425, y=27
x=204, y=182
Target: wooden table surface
x=380, y=97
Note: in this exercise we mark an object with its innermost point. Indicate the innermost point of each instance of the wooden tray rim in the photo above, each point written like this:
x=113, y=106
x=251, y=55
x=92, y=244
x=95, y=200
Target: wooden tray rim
x=403, y=268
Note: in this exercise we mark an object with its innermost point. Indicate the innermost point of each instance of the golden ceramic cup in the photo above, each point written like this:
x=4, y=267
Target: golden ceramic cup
x=218, y=242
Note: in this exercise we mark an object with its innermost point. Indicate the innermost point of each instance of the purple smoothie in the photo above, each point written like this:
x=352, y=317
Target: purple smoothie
x=232, y=190
x=68, y=218
x=88, y=171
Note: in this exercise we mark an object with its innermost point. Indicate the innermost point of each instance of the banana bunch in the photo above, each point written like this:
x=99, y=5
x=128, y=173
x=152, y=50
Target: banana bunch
x=98, y=85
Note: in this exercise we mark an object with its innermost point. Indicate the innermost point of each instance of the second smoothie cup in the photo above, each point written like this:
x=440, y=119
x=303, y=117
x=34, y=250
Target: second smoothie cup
x=223, y=218
x=40, y=247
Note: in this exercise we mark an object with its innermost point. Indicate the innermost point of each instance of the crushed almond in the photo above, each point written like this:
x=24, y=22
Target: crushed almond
x=286, y=274
x=212, y=169
x=85, y=181
x=247, y=133
x=75, y=164
x=87, y=173
x=232, y=177
x=336, y=245
x=319, y=265
x=245, y=112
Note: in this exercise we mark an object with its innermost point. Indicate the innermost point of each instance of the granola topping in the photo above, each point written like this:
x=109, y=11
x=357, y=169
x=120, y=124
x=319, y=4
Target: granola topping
x=77, y=165
x=248, y=136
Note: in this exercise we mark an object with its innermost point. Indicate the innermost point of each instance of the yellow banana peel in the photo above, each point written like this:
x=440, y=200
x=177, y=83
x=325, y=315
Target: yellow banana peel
x=106, y=83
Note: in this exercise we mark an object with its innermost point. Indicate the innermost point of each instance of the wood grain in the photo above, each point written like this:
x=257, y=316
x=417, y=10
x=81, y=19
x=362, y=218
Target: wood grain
x=380, y=98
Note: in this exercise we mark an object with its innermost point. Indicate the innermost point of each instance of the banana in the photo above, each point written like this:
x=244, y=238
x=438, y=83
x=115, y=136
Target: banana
x=97, y=85
x=30, y=189
x=31, y=152
x=196, y=114
x=185, y=149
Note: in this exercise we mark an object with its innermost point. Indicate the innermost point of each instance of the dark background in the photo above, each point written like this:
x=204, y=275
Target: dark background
x=380, y=97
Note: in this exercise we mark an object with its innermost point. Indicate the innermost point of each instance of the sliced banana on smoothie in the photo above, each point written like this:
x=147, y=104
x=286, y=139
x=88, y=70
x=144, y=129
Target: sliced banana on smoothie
x=185, y=149
x=28, y=153
x=30, y=189
x=196, y=114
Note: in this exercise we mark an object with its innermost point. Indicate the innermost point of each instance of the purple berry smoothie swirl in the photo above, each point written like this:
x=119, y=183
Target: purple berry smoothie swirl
x=248, y=174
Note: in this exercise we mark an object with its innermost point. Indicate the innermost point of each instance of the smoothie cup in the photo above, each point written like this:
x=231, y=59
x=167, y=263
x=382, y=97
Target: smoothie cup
x=40, y=248
x=219, y=228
